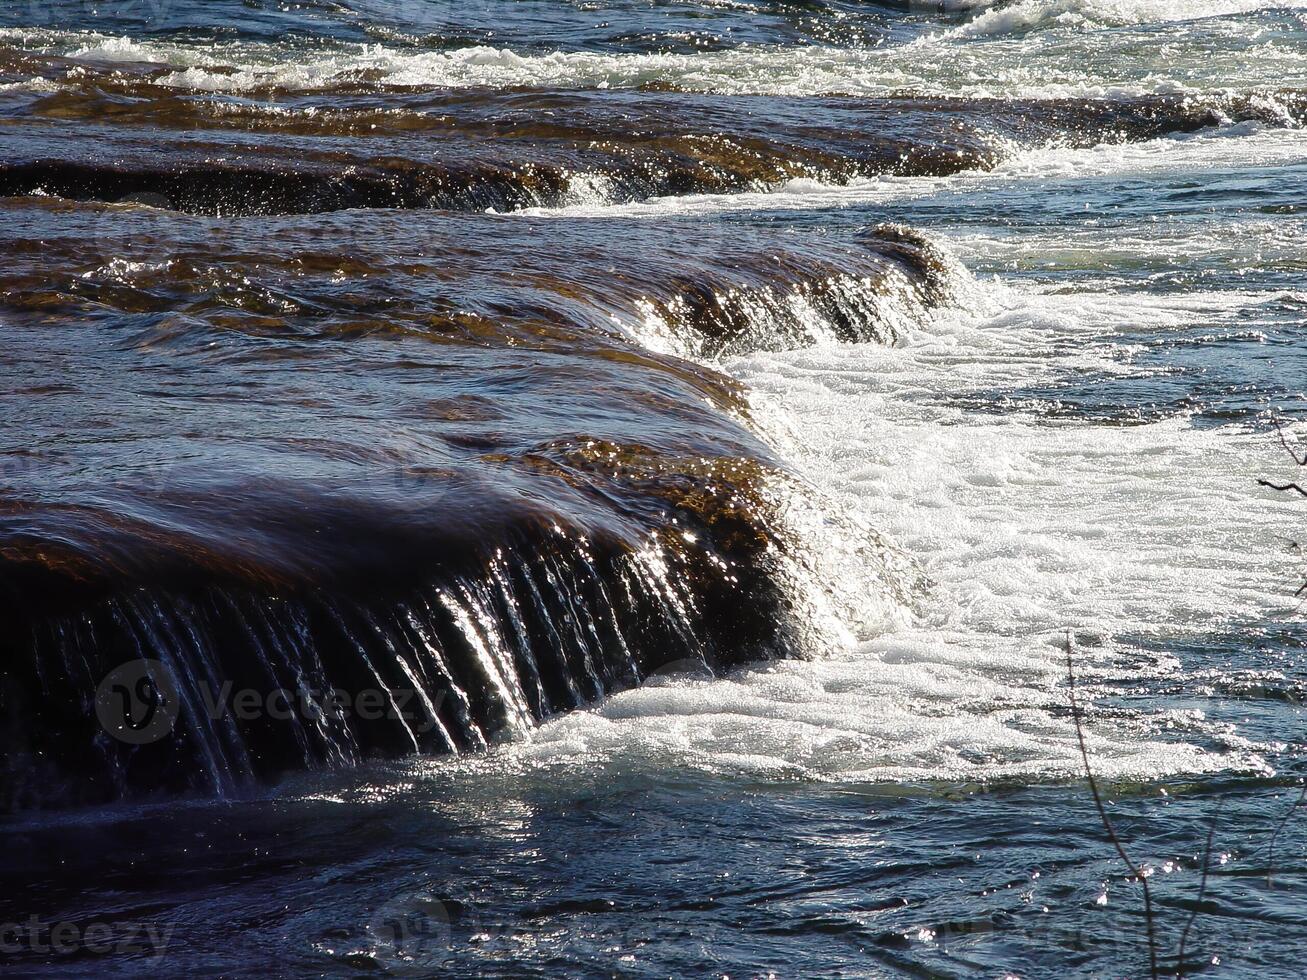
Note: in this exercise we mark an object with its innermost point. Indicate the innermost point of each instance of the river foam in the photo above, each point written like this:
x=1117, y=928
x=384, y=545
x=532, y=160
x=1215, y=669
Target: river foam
x=1227, y=147
x=1137, y=537
x=1033, y=49
x=1027, y=529
x=1026, y=15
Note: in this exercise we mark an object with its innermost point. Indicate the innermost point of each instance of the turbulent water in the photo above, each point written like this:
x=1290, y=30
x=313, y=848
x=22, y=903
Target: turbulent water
x=548, y=488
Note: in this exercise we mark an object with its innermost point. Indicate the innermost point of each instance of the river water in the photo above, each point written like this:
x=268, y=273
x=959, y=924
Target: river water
x=725, y=416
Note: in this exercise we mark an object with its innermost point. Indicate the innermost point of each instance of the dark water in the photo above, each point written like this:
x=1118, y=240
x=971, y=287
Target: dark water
x=558, y=489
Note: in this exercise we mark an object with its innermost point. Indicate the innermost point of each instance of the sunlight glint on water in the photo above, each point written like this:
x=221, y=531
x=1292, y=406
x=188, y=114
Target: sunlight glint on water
x=1046, y=423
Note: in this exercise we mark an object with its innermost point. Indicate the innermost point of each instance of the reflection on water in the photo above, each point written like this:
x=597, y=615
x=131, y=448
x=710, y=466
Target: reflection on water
x=666, y=573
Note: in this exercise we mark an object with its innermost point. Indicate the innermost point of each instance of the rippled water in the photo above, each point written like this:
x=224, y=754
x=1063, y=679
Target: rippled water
x=719, y=417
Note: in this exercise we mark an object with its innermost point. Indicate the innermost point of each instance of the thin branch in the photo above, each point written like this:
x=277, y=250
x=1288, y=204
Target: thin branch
x=1284, y=441
x=1285, y=486
x=1301, y=461
x=1202, y=892
x=1102, y=812
x=1270, y=847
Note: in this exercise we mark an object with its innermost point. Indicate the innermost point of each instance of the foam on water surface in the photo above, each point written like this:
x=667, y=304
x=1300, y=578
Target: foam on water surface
x=1027, y=530
x=1067, y=449
x=1033, y=49
x=1021, y=174
x=1026, y=15
x=1134, y=538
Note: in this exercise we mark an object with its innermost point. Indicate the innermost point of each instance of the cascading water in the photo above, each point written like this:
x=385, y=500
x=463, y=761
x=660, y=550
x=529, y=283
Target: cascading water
x=536, y=488
x=143, y=599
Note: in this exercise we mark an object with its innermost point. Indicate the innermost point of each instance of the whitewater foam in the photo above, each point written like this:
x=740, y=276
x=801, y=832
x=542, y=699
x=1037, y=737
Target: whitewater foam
x=1028, y=529
x=1226, y=147
x=1027, y=15
x=1135, y=538
x=995, y=54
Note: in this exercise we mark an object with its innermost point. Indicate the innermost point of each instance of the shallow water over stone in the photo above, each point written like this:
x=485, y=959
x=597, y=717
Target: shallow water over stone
x=671, y=571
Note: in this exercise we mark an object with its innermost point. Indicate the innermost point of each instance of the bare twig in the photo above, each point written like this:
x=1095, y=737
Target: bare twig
x=1300, y=460
x=1102, y=812
x=1302, y=590
x=1202, y=892
x=1284, y=441
x=1283, y=486
x=1270, y=846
